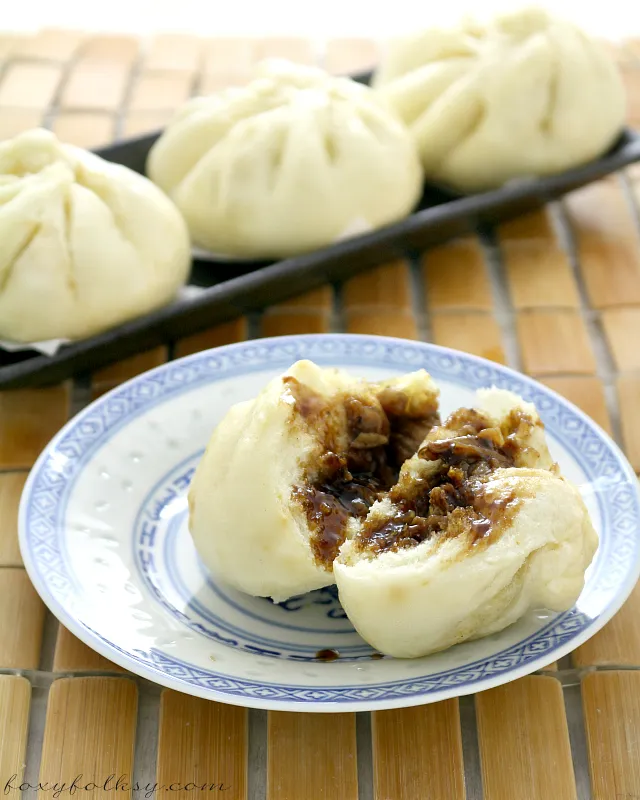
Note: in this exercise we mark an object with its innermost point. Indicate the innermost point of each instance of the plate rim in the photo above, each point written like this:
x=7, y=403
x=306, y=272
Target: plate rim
x=139, y=668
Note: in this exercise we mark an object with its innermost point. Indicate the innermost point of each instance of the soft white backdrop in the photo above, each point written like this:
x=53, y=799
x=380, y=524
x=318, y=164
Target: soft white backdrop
x=612, y=18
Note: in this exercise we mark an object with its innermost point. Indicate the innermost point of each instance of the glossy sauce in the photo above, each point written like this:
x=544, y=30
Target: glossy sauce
x=329, y=507
x=453, y=501
x=327, y=655
x=381, y=437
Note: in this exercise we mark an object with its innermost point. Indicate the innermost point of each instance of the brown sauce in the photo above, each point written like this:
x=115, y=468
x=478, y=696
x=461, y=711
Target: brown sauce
x=380, y=436
x=327, y=655
x=330, y=505
x=452, y=501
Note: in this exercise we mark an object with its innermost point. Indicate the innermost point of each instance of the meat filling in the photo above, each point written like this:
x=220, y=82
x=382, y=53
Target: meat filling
x=383, y=430
x=451, y=501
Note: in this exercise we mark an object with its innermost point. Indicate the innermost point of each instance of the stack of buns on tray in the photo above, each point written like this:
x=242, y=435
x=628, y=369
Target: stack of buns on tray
x=294, y=161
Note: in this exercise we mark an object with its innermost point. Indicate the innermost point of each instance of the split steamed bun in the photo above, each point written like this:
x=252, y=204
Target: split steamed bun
x=282, y=474
x=84, y=244
x=286, y=164
x=435, y=533
x=479, y=529
x=526, y=95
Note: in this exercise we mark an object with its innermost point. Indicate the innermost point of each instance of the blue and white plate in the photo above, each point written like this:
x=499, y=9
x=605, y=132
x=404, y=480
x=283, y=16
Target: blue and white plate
x=103, y=532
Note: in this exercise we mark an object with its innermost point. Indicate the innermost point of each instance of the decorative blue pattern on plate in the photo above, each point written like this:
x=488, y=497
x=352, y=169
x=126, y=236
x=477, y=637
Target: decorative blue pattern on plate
x=103, y=536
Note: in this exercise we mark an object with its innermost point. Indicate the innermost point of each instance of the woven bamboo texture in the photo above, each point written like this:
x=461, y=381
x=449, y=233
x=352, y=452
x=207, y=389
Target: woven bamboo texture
x=556, y=294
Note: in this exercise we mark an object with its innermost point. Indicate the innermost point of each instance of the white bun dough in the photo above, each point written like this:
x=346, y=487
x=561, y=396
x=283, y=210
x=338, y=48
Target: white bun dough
x=289, y=163
x=526, y=95
x=247, y=519
x=84, y=244
x=456, y=585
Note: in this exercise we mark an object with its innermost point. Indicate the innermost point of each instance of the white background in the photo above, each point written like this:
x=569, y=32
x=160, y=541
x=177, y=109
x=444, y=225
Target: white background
x=319, y=18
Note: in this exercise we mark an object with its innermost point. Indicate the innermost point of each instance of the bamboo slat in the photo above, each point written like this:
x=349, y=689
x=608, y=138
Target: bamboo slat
x=21, y=620
x=417, y=752
x=15, y=699
x=456, y=278
x=11, y=485
x=311, y=756
x=202, y=743
x=555, y=342
x=611, y=703
x=28, y=419
x=90, y=732
x=524, y=741
x=478, y=334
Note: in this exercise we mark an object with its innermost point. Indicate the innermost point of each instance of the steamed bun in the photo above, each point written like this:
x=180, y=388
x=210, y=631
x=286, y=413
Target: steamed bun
x=286, y=164
x=526, y=95
x=84, y=244
x=479, y=529
x=271, y=498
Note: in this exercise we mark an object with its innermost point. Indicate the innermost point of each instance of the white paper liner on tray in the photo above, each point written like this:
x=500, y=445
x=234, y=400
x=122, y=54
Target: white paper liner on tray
x=51, y=346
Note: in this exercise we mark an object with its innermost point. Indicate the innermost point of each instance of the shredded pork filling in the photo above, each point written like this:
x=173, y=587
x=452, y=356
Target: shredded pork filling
x=384, y=429
x=452, y=500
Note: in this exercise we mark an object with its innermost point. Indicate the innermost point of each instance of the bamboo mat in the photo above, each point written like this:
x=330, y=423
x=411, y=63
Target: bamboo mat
x=555, y=294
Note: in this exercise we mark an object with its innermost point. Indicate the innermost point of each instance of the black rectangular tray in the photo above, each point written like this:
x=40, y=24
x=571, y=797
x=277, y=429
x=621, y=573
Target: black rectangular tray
x=236, y=288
